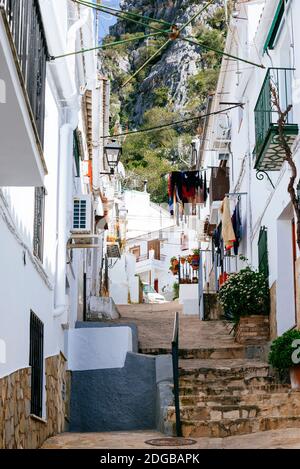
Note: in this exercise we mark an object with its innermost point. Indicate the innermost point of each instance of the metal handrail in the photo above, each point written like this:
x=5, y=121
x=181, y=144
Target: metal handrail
x=175, y=360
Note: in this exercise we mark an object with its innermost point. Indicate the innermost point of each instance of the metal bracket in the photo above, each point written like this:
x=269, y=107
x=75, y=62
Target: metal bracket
x=260, y=175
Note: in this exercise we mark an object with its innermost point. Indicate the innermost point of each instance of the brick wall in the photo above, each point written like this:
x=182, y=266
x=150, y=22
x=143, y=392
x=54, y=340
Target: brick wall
x=253, y=330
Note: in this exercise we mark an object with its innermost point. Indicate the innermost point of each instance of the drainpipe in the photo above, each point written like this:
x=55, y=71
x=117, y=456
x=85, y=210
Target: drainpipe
x=61, y=303
x=65, y=171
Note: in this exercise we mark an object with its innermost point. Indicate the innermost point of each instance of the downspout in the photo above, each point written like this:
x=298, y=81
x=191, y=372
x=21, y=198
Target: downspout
x=61, y=304
x=65, y=159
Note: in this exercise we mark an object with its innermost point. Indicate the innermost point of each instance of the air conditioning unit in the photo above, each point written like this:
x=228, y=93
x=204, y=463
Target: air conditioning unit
x=222, y=131
x=82, y=214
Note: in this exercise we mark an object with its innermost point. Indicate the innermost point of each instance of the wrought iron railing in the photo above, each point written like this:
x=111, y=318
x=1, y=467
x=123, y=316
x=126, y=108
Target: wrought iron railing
x=146, y=257
x=188, y=272
x=266, y=116
x=27, y=32
x=175, y=363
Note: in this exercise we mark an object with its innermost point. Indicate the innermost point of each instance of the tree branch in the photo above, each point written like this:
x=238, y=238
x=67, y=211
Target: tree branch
x=282, y=119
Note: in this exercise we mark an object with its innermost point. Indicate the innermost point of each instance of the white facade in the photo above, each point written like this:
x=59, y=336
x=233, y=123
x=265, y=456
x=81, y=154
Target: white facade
x=152, y=239
x=48, y=286
x=266, y=202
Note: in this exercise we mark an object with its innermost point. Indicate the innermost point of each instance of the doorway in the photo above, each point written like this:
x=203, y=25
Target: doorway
x=286, y=271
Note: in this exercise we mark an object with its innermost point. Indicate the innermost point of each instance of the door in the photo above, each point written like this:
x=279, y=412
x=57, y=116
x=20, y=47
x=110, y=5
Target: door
x=156, y=285
x=154, y=246
x=285, y=289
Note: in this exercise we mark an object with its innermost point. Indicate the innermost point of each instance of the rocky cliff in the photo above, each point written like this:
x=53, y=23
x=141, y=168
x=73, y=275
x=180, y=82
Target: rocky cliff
x=177, y=78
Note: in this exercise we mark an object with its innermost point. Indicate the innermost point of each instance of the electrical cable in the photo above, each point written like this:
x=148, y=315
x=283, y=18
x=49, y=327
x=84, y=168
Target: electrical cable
x=163, y=126
x=119, y=14
x=105, y=46
x=129, y=13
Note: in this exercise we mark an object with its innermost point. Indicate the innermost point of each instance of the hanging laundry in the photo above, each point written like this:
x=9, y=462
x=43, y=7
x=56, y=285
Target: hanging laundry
x=227, y=229
x=237, y=227
x=187, y=187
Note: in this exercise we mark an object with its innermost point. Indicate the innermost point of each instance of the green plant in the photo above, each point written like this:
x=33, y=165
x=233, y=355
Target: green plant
x=282, y=350
x=196, y=252
x=176, y=290
x=244, y=294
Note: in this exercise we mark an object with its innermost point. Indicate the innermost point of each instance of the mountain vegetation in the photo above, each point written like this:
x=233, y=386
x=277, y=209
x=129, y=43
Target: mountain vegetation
x=174, y=86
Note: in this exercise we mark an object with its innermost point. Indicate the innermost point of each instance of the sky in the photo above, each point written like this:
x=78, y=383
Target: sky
x=107, y=20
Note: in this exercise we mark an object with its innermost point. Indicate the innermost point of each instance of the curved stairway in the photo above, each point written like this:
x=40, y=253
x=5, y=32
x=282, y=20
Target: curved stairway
x=228, y=394
x=226, y=389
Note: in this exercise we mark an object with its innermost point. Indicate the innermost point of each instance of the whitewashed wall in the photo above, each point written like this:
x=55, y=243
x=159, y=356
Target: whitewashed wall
x=263, y=205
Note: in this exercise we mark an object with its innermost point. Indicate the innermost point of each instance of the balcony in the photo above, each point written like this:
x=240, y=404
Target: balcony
x=23, y=57
x=268, y=151
x=147, y=262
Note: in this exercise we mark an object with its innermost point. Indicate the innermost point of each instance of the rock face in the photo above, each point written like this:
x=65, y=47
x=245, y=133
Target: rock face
x=177, y=63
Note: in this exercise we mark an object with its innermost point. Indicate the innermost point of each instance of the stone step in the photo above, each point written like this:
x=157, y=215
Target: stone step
x=208, y=373
x=230, y=427
x=218, y=412
x=277, y=394
x=237, y=390
x=257, y=406
x=203, y=353
x=224, y=385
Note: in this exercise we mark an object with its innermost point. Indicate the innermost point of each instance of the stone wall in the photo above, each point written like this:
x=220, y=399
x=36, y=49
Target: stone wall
x=18, y=428
x=253, y=330
x=212, y=309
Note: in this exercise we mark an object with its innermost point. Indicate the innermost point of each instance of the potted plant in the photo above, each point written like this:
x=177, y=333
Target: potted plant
x=183, y=260
x=285, y=355
x=245, y=293
x=195, y=259
x=189, y=258
x=174, y=261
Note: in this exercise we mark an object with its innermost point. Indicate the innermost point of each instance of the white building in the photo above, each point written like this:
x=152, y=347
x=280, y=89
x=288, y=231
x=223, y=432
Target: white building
x=152, y=239
x=244, y=142
x=46, y=150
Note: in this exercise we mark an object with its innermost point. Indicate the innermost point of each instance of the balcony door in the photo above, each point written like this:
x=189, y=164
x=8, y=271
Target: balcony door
x=286, y=272
x=154, y=246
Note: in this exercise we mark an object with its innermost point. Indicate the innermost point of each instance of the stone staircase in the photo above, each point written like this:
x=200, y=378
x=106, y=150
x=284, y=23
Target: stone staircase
x=227, y=394
x=226, y=389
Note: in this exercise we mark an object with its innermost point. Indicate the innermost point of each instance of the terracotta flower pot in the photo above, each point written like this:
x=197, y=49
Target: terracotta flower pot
x=295, y=377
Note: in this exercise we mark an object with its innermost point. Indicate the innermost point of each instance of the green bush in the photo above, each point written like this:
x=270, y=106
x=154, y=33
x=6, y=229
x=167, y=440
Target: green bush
x=244, y=294
x=281, y=352
x=176, y=290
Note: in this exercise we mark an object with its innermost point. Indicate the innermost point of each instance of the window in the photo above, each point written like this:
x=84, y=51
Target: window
x=39, y=222
x=263, y=263
x=136, y=251
x=36, y=361
x=76, y=153
x=276, y=24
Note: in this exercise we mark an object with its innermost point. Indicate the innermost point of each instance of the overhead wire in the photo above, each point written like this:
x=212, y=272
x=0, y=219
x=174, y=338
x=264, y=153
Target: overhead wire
x=171, y=124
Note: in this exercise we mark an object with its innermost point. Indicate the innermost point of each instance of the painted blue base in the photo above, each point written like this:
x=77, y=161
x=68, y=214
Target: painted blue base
x=119, y=399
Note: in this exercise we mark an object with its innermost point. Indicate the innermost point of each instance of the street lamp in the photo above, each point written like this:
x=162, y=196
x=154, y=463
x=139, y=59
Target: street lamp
x=112, y=152
x=194, y=153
